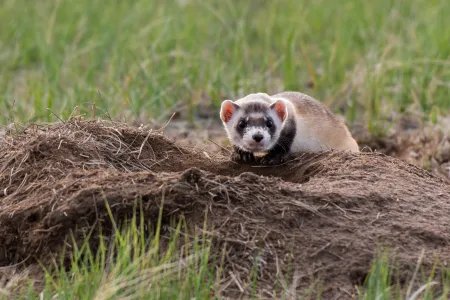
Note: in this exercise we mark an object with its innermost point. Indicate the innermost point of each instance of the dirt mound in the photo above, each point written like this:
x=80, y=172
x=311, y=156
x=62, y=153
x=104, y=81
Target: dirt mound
x=427, y=147
x=322, y=215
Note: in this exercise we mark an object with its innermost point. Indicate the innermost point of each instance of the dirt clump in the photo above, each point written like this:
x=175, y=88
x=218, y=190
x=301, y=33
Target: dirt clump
x=322, y=215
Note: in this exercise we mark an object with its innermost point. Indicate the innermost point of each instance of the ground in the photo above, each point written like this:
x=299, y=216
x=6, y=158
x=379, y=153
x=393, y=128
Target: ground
x=321, y=216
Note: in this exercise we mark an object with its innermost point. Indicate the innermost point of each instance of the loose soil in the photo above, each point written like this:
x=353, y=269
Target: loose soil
x=323, y=215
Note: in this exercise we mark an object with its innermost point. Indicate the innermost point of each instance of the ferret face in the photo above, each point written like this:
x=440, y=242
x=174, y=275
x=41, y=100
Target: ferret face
x=253, y=126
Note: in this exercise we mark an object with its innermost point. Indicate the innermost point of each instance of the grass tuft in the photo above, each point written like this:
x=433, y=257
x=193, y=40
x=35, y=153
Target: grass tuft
x=135, y=263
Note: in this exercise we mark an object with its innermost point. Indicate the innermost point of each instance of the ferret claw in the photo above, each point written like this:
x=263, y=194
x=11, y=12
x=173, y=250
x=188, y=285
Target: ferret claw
x=272, y=160
x=242, y=157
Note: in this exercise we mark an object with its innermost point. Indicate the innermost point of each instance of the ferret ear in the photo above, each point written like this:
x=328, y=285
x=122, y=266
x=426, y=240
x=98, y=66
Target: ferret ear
x=227, y=110
x=280, y=108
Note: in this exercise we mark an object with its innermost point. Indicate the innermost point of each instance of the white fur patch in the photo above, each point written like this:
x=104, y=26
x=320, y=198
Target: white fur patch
x=305, y=140
x=276, y=120
x=250, y=144
x=256, y=115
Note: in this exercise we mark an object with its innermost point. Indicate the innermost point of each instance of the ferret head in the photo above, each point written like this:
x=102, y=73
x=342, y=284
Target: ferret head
x=254, y=126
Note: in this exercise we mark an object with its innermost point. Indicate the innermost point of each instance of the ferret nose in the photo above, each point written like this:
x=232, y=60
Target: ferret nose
x=258, y=137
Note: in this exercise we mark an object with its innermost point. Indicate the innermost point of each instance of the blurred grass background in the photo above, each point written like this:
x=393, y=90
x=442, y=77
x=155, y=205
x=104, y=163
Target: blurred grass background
x=137, y=59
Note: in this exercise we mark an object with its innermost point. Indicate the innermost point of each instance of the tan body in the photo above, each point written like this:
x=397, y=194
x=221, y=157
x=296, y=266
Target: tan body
x=318, y=129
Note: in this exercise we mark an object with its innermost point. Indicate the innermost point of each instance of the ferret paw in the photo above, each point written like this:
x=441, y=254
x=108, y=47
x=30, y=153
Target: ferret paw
x=272, y=160
x=243, y=157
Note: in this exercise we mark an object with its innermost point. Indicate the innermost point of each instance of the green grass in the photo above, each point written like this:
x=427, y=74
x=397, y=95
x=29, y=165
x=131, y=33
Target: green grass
x=137, y=59
x=382, y=282
x=132, y=264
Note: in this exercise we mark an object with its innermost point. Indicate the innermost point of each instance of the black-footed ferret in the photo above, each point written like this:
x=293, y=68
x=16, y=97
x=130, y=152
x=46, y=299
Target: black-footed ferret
x=277, y=127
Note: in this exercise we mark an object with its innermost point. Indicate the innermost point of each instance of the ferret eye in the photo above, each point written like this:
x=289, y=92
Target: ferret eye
x=242, y=124
x=269, y=123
